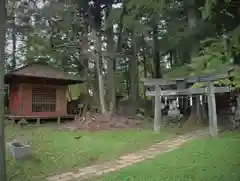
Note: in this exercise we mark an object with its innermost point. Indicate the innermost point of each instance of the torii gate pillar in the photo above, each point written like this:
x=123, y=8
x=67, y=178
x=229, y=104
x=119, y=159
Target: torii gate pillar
x=212, y=113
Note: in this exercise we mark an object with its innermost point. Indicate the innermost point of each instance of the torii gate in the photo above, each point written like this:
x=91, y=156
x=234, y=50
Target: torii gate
x=181, y=83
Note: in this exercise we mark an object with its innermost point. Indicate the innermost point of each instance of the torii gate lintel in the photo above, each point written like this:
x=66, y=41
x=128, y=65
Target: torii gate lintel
x=210, y=91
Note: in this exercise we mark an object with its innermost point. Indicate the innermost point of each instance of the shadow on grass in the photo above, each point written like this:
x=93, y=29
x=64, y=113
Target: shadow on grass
x=31, y=158
x=16, y=171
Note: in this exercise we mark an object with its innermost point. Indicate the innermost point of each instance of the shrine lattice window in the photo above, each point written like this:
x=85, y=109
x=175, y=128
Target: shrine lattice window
x=43, y=99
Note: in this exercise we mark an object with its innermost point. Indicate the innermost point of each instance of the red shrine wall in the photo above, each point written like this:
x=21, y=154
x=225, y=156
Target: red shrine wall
x=20, y=100
x=14, y=100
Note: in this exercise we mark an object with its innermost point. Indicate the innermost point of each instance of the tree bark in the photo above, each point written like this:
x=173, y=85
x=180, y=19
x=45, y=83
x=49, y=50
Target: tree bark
x=111, y=66
x=69, y=94
x=128, y=86
x=133, y=66
x=204, y=109
x=98, y=57
x=95, y=84
x=2, y=70
x=85, y=59
x=171, y=58
x=196, y=109
x=111, y=72
x=145, y=69
x=14, y=44
x=192, y=23
x=156, y=53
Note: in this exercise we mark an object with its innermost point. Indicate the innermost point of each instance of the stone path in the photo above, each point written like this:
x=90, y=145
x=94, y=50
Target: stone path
x=127, y=160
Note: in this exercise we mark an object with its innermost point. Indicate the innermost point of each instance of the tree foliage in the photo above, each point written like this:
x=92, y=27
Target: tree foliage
x=171, y=37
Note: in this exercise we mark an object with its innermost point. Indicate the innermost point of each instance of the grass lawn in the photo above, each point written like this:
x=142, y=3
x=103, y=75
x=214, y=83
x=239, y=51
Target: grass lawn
x=199, y=160
x=57, y=151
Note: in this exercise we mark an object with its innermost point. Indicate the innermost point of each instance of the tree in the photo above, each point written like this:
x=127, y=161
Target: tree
x=192, y=24
x=137, y=39
x=2, y=70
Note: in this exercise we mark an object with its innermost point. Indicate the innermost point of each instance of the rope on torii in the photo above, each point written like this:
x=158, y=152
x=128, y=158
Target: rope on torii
x=210, y=91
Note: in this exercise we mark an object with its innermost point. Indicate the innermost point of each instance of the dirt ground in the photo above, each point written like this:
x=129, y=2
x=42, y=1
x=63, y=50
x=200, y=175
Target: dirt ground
x=97, y=122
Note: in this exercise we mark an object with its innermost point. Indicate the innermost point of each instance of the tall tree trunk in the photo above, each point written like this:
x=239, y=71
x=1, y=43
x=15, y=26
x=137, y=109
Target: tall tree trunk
x=171, y=58
x=95, y=84
x=156, y=52
x=128, y=85
x=69, y=94
x=85, y=59
x=14, y=44
x=111, y=72
x=204, y=110
x=145, y=68
x=98, y=57
x=192, y=23
x=111, y=66
x=133, y=66
x=114, y=56
x=196, y=108
x=2, y=70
